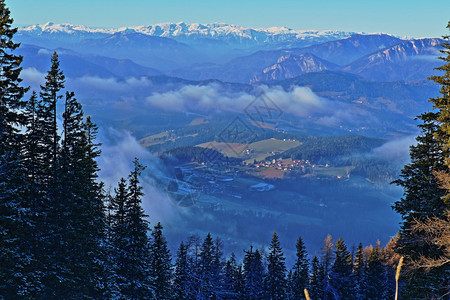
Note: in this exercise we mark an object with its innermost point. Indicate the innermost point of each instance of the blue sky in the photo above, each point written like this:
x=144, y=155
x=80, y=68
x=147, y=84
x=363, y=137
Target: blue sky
x=401, y=17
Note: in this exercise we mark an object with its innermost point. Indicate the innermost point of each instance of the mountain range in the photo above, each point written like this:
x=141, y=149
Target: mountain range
x=372, y=74
x=232, y=53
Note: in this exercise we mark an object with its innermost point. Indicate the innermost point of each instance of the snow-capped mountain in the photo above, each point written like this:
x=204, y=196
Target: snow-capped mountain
x=238, y=34
x=50, y=27
x=234, y=34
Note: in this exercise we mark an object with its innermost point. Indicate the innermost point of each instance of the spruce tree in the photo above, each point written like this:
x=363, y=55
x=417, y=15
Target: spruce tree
x=50, y=95
x=423, y=197
x=87, y=199
x=358, y=277
x=182, y=278
x=316, y=280
x=130, y=242
x=341, y=271
x=253, y=273
x=234, y=281
x=374, y=276
x=300, y=272
x=275, y=279
x=326, y=263
x=137, y=265
x=210, y=269
x=51, y=204
x=19, y=277
x=160, y=265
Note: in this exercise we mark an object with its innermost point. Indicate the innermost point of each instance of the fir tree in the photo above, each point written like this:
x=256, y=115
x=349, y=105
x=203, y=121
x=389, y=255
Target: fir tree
x=210, y=268
x=358, y=277
x=160, y=265
x=374, y=276
x=234, y=281
x=130, y=242
x=51, y=204
x=19, y=277
x=300, y=272
x=253, y=274
x=182, y=278
x=327, y=261
x=275, y=279
x=341, y=271
x=50, y=95
x=316, y=280
x=423, y=197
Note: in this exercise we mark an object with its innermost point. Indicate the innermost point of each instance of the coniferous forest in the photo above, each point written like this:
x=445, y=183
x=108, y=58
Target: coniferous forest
x=62, y=236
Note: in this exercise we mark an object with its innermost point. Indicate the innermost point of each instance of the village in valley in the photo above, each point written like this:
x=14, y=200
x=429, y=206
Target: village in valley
x=236, y=181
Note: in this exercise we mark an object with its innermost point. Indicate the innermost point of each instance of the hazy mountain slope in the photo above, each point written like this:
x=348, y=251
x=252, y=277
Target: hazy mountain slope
x=79, y=65
x=346, y=50
x=156, y=52
x=290, y=66
x=246, y=68
x=409, y=60
x=405, y=98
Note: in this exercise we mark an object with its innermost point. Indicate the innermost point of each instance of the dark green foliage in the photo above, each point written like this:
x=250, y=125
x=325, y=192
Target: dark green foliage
x=50, y=95
x=374, y=276
x=198, y=154
x=358, y=277
x=333, y=149
x=316, y=280
x=182, y=274
x=423, y=198
x=341, y=271
x=275, y=279
x=210, y=269
x=326, y=264
x=300, y=272
x=160, y=265
x=19, y=276
x=130, y=241
x=234, y=280
x=253, y=273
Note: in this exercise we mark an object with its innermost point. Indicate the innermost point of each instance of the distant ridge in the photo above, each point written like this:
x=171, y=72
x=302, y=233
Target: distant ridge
x=183, y=31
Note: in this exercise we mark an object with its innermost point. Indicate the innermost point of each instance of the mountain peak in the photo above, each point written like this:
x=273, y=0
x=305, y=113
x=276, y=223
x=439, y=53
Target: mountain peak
x=182, y=30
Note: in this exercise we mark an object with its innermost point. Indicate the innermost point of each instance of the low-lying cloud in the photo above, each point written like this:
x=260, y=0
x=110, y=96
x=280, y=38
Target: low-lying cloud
x=300, y=102
x=396, y=150
x=118, y=151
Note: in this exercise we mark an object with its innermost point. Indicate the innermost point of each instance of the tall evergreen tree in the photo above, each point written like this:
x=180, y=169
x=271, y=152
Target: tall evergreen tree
x=275, y=279
x=130, y=241
x=234, y=281
x=51, y=204
x=50, y=95
x=316, y=281
x=358, y=277
x=300, y=272
x=137, y=242
x=341, y=271
x=327, y=262
x=423, y=197
x=182, y=278
x=374, y=276
x=210, y=269
x=253, y=273
x=18, y=275
x=160, y=265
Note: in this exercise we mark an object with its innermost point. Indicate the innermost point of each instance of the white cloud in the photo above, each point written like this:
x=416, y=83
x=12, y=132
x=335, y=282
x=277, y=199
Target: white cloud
x=32, y=76
x=396, y=150
x=118, y=151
